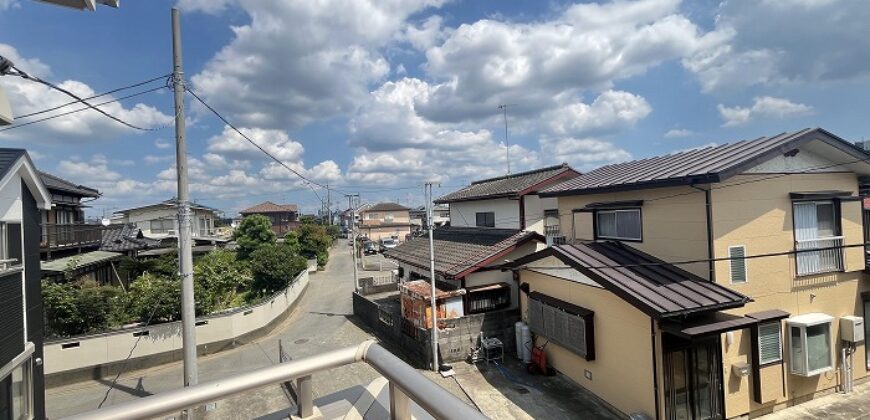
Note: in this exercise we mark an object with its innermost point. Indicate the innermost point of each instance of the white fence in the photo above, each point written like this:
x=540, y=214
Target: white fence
x=97, y=350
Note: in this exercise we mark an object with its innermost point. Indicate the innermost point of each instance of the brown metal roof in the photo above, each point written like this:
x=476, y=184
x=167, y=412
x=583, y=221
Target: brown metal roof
x=460, y=250
x=510, y=185
x=698, y=166
x=270, y=207
x=655, y=287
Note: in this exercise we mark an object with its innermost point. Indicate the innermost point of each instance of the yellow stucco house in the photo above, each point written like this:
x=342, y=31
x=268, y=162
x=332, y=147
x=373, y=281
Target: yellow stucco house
x=722, y=282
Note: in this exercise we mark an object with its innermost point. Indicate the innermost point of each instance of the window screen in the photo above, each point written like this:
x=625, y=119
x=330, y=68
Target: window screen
x=769, y=343
x=619, y=224
x=737, y=260
x=486, y=219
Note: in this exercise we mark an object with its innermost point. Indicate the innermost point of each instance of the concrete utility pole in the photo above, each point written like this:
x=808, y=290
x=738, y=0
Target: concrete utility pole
x=432, y=302
x=353, y=237
x=185, y=251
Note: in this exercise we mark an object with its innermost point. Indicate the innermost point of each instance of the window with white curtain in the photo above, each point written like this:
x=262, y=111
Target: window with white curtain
x=816, y=241
x=619, y=224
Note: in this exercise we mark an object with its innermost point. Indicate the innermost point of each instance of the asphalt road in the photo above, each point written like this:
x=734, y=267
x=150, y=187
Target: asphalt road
x=318, y=324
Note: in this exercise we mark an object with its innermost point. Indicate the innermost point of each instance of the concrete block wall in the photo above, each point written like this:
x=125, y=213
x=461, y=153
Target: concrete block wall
x=94, y=356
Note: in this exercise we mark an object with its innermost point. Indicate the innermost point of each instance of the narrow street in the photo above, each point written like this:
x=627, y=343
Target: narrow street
x=319, y=323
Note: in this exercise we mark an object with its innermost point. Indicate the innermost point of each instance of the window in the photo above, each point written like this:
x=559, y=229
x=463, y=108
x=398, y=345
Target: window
x=487, y=298
x=486, y=219
x=566, y=324
x=737, y=260
x=162, y=225
x=769, y=342
x=816, y=226
x=810, y=344
x=618, y=224
x=10, y=245
x=551, y=222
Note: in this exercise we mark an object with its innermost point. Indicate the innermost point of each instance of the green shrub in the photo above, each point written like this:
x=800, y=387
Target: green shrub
x=221, y=279
x=314, y=242
x=273, y=267
x=157, y=295
x=83, y=308
x=254, y=232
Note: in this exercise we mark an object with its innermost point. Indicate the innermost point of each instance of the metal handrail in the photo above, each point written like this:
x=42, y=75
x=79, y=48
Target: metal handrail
x=405, y=383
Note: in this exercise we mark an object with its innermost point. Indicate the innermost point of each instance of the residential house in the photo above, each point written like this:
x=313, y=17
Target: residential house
x=345, y=216
x=467, y=259
x=440, y=217
x=510, y=201
x=22, y=196
x=284, y=217
x=158, y=221
x=385, y=220
x=721, y=282
x=64, y=229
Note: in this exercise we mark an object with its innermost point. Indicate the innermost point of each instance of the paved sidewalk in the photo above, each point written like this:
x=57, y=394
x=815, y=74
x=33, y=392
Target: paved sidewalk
x=852, y=406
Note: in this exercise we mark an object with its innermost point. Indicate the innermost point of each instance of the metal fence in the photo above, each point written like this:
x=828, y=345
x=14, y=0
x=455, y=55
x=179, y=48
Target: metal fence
x=819, y=255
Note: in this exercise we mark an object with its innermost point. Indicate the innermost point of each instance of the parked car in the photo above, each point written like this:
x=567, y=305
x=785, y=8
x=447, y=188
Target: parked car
x=389, y=243
x=369, y=248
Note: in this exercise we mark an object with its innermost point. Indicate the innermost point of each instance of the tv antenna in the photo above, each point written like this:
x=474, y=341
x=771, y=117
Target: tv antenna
x=507, y=146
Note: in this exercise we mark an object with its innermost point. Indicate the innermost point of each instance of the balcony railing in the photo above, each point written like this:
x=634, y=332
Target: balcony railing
x=820, y=255
x=552, y=230
x=73, y=235
x=405, y=385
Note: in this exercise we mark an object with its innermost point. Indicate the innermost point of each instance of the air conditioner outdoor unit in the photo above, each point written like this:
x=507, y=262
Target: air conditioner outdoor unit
x=852, y=329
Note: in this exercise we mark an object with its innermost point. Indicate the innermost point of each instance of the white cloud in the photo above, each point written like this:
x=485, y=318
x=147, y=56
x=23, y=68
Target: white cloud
x=583, y=153
x=154, y=159
x=206, y=6
x=784, y=41
x=28, y=96
x=762, y=107
x=426, y=35
x=679, y=132
x=231, y=145
x=609, y=112
x=296, y=62
x=8, y=4
x=162, y=144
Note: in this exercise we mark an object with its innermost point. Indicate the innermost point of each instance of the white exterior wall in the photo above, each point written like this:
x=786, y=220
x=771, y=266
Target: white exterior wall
x=507, y=212
x=534, y=211
x=10, y=200
x=142, y=219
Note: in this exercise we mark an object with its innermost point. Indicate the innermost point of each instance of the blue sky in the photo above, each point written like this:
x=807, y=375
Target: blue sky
x=379, y=96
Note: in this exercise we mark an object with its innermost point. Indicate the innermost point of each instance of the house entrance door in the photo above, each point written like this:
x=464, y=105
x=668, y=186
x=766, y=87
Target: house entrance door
x=693, y=380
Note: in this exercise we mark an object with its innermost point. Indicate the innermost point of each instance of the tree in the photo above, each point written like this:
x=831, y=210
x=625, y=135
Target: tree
x=75, y=309
x=155, y=298
x=314, y=242
x=254, y=232
x=222, y=279
x=291, y=240
x=273, y=267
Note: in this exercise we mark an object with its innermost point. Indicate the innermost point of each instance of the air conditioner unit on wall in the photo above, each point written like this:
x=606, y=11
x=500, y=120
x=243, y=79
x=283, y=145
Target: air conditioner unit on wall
x=852, y=329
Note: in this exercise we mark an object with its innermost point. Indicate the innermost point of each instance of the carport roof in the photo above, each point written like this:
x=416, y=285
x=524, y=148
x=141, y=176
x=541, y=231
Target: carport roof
x=657, y=288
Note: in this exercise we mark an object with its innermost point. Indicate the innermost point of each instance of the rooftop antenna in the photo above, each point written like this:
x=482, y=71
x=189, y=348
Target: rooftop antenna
x=507, y=146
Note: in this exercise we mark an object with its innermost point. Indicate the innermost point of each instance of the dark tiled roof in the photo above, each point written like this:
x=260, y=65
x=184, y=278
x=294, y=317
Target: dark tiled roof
x=170, y=203
x=459, y=249
x=8, y=157
x=386, y=207
x=126, y=238
x=55, y=183
x=270, y=207
x=698, y=166
x=655, y=287
x=505, y=186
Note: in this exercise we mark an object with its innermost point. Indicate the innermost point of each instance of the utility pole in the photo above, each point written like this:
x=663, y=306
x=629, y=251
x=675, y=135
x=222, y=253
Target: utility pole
x=353, y=237
x=432, y=302
x=507, y=145
x=328, y=206
x=185, y=252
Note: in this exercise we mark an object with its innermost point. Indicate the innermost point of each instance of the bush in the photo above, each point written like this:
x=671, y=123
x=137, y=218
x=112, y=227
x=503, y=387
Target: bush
x=151, y=294
x=75, y=309
x=314, y=242
x=254, y=232
x=273, y=267
x=221, y=279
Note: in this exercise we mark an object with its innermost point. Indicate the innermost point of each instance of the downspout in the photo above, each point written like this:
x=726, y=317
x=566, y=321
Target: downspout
x=522, y=212
x=708, y=204
x=652, y=334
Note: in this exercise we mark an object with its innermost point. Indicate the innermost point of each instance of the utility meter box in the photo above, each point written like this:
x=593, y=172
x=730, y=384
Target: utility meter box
x=5, y=109
x=852, y=329
x=741, y=369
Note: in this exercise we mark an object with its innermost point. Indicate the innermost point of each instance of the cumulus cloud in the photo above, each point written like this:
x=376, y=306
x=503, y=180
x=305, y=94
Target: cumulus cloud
x=583, y=153
x=205, y=6
x=784, y=41
x=679, y=132
x=230, y=144
x=29, y=96
x=162, y=144
x=762, y=107
x=300, y=61
x=609, y=112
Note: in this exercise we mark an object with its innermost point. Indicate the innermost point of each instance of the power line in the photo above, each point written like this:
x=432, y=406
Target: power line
x=9, y=69
x=63, y=114
x=94, y=97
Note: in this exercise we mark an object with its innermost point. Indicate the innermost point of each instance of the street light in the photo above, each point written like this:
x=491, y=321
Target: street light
x=83, y=4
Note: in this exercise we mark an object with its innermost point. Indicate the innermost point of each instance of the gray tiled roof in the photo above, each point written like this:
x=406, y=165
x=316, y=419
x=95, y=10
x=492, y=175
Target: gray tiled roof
x=698, y=166
x=55, y=183
x=655, y=287
x=386, y=207
x=458, y=249
x=270, y=207
x=126, y=238
x=505, y=186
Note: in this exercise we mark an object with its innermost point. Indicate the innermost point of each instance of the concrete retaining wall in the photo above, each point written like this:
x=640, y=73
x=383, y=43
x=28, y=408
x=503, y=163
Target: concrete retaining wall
x=101, y=355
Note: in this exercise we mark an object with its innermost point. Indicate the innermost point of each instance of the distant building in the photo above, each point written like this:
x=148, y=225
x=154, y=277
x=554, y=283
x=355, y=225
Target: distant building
x=158, y=221
x=385, y=220
x=440, y=217
x=22, y=196
x=284, y=217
